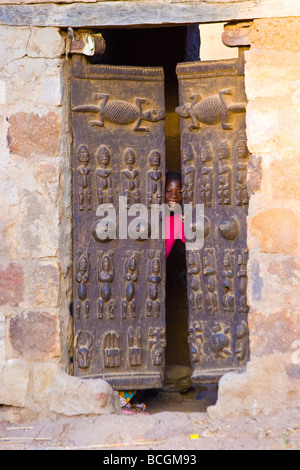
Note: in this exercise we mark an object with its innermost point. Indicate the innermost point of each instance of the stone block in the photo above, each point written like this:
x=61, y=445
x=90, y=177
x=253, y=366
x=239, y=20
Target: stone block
x=34, y=84
x=75, y=396
x=275, y=332
x=271, y=73
x=276, y=230
x=43, y=376
x=2, y=340
x=177, y=378
x=43, y=286
x=272, y=126
x=51, y=91
x=274, y=284
x=263, y=389
x=11, y=285
x=35, y=230
x=262, y=126
x=14, y=383
x=35, y=335
x=280, y=34
x=14, y=42
x=2, y=92
x=45, y=42
x=47, y=178
x=31, y=135
x=285, y=178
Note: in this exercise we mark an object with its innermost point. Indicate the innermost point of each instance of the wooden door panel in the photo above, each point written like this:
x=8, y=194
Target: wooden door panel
x=214, y=166
x=119, y=284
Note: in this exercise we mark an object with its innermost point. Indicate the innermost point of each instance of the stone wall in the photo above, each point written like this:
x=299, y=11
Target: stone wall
x=272, y=380
x=92, y=13
x=35, y=221
x=35, y=224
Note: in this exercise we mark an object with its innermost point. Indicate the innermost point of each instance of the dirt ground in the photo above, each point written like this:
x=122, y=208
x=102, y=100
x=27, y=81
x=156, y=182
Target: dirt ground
x=173, y=422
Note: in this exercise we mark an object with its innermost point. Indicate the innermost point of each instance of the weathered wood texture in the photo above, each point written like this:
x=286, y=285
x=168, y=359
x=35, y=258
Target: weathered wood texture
x=214, y=169
x=119, y=313
x=132, y=12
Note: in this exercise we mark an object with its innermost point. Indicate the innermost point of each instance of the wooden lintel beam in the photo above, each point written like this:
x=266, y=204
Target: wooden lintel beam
x=141, y=12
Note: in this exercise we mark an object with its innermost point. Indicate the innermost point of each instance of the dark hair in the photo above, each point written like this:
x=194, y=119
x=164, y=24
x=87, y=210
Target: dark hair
x=173, y=175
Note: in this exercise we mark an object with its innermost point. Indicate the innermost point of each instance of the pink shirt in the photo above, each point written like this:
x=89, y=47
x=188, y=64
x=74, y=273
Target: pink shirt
x=174, y=228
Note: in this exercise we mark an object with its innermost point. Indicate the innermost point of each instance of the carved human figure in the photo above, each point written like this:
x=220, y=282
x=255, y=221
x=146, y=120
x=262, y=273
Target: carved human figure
x=209, y=272
x=82, y=277
x=242, y=275
x=189, y=172
x=195, y=340
x=154, y=278
x=157, y=343
x=241, y=186
x=104, y=175
x=130, y=275
x=207, y=153
x=194, y=273
x=207, y=173
x=228, y=273
x=105, y=277
x=154, y=177
x=224, y=173
x=130, y=178
x=84, y=190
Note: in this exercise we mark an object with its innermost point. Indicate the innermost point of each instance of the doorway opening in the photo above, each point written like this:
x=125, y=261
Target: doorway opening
x=156, y=47
x=162, y=47
x=165, y=47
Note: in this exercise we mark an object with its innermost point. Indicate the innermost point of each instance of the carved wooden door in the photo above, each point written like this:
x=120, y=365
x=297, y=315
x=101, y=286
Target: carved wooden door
x=119, y=281
x=214, y=168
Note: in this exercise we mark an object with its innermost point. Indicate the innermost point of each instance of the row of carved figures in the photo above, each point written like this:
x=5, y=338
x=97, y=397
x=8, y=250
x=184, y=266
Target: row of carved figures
x=106, y=307
x=136, y=352
x=193, y=172
x=234, y=267
x=223, y=341
x=130, y=177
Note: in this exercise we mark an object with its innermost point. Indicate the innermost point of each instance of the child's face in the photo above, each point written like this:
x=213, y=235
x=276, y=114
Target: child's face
x=173, y=193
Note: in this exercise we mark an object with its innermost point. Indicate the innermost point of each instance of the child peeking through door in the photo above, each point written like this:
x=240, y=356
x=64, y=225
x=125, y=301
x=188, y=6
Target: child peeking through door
x=177, y=351
x=174, y=227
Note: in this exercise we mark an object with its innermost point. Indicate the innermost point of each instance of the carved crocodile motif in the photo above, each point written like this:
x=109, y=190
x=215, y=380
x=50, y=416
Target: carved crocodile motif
x=121, y=112
x=210, y=110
